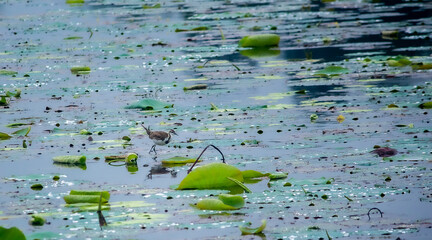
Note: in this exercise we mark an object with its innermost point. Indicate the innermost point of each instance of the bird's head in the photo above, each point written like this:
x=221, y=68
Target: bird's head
x=173, y=132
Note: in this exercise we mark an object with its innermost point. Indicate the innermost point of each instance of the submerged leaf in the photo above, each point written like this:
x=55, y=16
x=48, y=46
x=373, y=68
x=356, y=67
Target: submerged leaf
x=246, y=230
x=149, y=104
x=260, y=40
x=211, y=176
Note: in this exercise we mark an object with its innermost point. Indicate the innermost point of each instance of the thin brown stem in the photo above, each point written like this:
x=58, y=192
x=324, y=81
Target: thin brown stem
x=211, y=145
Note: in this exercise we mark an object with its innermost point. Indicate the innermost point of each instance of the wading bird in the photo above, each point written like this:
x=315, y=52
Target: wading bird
x=158, y=137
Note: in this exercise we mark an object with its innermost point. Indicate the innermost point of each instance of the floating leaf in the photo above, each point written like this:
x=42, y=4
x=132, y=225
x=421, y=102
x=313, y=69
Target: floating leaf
x=340, y=118
x=37, y=221
x=260, y=40
x=105, y=194
x=157, y=5
x=426, y=105
x=246, y=230
x=211, y=176
x=421, y=66
x=15, y=94
x=85, y=132
x=240, y=184
x=72, y=199
x=260, y=52
x=79, y=160
x=4, y=136
x=13, y=125
x=149, y=104
x=278, y=175
x=392, y=106
x=313, y=117
x=80, y=70
x=7, y=72
x=399, y=61
x=332, y=71
x=225, y=202
x=37, y=187
x=202, y=28
x=22, y=132
x=196, y=87
x=178, y=160
x=12, y=233
x=253, y=174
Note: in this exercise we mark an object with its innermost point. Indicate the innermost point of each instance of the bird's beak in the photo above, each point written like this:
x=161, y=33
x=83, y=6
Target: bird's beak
x=175, y=133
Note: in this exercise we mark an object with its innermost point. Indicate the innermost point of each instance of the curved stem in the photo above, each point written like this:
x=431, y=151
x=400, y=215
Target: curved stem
x=374, y=209
x=211, y=145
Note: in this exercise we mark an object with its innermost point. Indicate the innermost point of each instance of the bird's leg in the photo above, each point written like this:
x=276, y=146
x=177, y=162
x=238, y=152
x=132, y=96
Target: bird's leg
x=153, y=148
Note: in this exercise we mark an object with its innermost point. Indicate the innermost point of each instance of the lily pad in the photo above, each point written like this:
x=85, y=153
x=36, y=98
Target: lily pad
x=178, y=160
x=260, y=40
x=7, y=72
x=247, y=230
x=12, y=233
x=332, y=71
x=72, y=199
x=426, y=105
x=277, y=176
x=37, y=221
x=80, y=70
x=22, y=132
x=224, y=202
x=149, y=104
x=4, y=136
x=70, y=159
x=211, y=176
x=253, y=174
x=105, y=194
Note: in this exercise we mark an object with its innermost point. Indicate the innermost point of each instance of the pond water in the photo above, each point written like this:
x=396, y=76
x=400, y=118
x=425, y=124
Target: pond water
x=368, y=61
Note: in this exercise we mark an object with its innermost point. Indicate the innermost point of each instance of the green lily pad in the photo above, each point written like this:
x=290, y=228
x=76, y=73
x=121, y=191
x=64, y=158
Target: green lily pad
x=149, y=104
x=23, y=132
x=260, y=52
x=79, y=160
x=399, y=61
x=426, y=105
x=253, y=174
x=421, y=66
x=37, y=221
x=179, y=160
x=211, y=176
x=72, y=199
x=332, y=71
x=260, y=40
x=7, y=72
x=4, y=136
x=12, y=233
x=105, y=194
x=278, y=175
x=246, y=230
x=80, y=70
x=14, y=125
x=225, y=202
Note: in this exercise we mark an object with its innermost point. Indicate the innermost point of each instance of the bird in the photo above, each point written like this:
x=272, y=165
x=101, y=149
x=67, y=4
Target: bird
x=158, y=137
